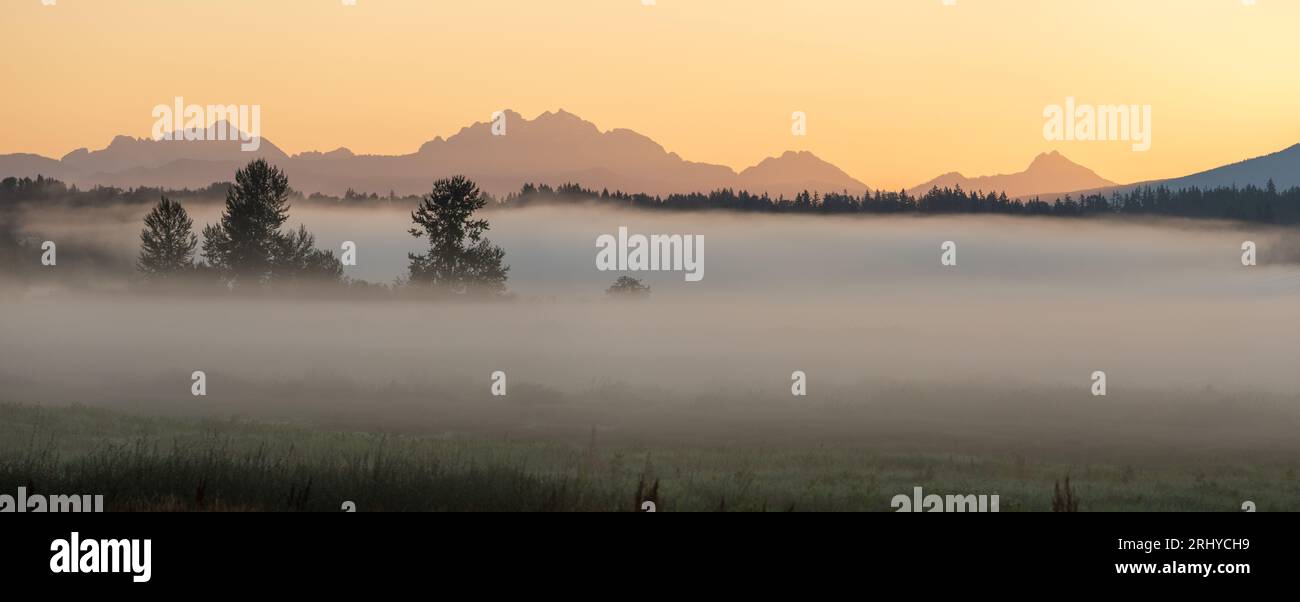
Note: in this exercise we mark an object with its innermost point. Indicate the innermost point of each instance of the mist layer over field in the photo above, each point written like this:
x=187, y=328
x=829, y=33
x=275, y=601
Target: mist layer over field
x=994, y=353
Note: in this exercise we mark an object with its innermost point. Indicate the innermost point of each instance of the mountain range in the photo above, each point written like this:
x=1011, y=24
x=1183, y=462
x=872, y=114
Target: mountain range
x=554, y=148
x=560, y=147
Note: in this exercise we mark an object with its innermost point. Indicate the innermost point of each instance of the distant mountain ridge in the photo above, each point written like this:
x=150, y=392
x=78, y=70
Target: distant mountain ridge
x=1052, y=176
x=554, y=148
x=1282, y=167
x=1049, y=172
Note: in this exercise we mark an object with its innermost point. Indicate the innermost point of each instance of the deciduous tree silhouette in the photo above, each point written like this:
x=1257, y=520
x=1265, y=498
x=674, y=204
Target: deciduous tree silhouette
x=628, y=287
x=296, y=258
x=459, y=260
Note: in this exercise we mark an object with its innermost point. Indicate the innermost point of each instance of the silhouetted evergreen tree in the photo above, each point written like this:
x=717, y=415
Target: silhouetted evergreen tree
x=167, y=242
x=244, y=244
x=247, y=247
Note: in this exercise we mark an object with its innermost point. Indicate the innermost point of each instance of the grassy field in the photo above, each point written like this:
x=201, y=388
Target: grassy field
x=150, y=463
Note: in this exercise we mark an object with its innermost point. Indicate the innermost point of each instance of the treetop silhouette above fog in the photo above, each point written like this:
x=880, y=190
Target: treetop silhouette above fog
x=460, y=260
x=247, y=245
x=167, y=242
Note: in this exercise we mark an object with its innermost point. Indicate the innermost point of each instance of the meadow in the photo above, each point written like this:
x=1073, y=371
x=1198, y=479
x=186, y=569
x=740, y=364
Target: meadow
x=207, y=464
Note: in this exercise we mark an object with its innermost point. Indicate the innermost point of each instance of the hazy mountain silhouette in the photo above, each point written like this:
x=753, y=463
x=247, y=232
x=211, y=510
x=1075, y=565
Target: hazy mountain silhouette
x=125, y=152
x=27, y=164
x=553, y=148
x=1283, y=167
x=1049, y=172
x=797, y=171
x=559, y=147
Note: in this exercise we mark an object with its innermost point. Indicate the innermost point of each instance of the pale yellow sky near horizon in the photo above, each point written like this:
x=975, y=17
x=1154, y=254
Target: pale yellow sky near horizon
x=896, y=91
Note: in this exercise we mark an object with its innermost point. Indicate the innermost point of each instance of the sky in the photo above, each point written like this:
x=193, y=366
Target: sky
x=895, y=91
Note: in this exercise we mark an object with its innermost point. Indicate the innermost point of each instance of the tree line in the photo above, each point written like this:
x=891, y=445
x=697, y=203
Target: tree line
x=250, y=247
x=1250, y=203
x=46, y=191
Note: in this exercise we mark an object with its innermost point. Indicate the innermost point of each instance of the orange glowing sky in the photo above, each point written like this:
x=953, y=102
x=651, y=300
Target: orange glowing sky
x=896, y=91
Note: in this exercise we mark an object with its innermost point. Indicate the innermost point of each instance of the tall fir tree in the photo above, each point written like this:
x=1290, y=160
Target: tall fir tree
x=243, y=246
x=167, y=241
